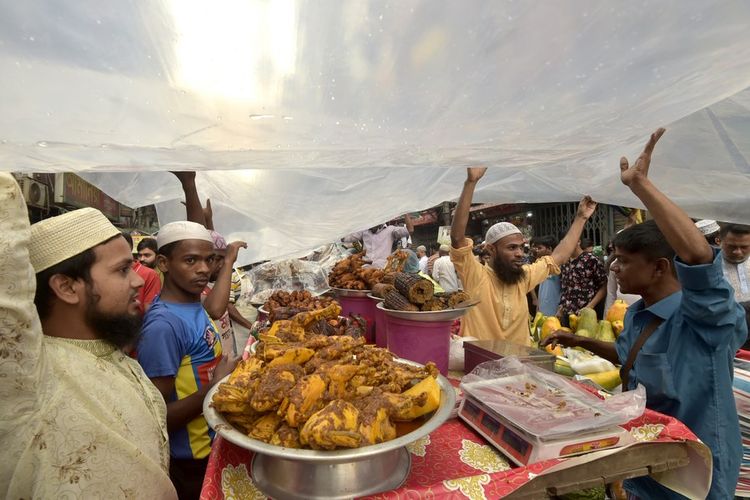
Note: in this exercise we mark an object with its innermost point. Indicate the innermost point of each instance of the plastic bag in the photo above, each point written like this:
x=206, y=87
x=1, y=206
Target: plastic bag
x=584, y=363
x=545, y=404
x=287, y=275
x=343, y=115
x=328, y=255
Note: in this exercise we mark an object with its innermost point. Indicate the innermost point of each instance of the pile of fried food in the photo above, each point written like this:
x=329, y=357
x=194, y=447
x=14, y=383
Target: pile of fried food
x=349, y=273
x=302, y=390
x=410, y=292
x=284, y=305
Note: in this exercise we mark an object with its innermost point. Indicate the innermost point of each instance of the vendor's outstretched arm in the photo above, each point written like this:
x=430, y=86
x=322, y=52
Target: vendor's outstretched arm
x=604, y=350
x=193, y=205
x=562, y=252
x=461, y=216
x=679, y=230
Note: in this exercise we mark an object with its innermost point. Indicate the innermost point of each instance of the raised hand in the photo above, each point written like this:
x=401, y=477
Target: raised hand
x=233, y=249
x=586, y=207
x=561, y=337
x=473, y=174
x=639, y=170
x=208, y=211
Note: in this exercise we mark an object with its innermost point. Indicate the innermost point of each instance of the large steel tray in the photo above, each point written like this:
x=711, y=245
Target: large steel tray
x=292, y=473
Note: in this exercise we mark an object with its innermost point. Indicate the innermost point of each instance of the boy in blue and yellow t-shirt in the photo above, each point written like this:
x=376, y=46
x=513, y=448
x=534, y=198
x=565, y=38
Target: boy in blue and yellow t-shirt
x=180, y=350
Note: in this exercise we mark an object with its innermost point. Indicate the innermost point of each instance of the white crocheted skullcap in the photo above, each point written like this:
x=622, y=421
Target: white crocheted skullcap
x=500, y=231
x=707, y=226
x=182, y=230
x=57, y=239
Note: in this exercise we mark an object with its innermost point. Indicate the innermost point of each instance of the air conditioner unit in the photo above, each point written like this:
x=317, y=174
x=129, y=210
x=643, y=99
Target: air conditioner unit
x=35, y=193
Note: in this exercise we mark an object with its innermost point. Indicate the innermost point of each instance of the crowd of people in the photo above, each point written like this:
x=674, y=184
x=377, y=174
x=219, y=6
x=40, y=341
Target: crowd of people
x=106, y=359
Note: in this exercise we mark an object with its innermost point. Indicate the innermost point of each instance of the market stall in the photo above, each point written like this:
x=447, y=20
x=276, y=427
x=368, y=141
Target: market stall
x=452, y=455
x=456, y=461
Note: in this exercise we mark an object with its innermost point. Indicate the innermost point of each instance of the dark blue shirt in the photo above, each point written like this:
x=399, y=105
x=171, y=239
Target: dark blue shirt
x=686, y=368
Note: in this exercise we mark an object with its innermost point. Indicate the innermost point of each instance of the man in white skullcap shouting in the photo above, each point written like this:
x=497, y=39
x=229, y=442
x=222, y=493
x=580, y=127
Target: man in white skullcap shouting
x=80, y=419
x=501, y=287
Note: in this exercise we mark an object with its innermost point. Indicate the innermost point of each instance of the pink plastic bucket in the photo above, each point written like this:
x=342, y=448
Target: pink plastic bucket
x=381, y=328
x=420, y=341
x=365, y=307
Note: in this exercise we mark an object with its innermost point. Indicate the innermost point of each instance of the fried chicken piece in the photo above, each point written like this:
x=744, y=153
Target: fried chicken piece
x=274, y=386
x=286, y=436
x=293, y=355
x=317, y=342
x=243, y=421
x=245, y=371
x=305, y=398
x=287, y=330
x=404, y=375
x=335, y=426
x=339, y=346
x=306, y=319
x=231, y=399
x=340, y=375
x=265, y=427
x=375, y=424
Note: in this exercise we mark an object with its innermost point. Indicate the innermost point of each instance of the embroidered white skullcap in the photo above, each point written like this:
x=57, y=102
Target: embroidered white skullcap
x=59, y=238
x=445, y=248
x=500, y=231
x=707, y=226
x=182, y=230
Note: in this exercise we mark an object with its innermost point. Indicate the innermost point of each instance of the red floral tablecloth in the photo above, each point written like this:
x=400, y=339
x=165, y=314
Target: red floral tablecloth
x=452, y=462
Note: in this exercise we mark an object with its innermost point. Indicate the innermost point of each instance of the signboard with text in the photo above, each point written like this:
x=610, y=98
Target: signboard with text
x=74, y=191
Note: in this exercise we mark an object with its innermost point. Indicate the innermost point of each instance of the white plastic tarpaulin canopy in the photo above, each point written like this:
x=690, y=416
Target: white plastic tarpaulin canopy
x=309, y=119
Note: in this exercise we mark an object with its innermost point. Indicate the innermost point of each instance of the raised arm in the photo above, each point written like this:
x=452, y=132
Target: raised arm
x=217, y=301
x=193, y=205
x=208, y=215
x=461, y=216
x=679, y=230
x=562, y=252
x=20, y=330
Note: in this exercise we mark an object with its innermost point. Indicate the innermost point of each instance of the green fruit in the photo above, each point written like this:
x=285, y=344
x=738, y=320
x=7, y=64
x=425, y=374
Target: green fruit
x=582, y=332
x=605, y=332
x=587, y=320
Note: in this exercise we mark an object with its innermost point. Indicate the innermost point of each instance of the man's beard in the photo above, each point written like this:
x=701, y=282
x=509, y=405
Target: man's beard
x=122, y=330
x=507, y=273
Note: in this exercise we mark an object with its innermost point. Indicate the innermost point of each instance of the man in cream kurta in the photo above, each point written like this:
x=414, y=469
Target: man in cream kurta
x=80, y=419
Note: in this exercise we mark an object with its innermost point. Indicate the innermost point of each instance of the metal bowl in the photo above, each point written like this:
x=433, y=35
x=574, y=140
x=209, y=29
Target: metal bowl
x=262, y=310
x=311, y=474
x=379, y=299
x=446, y=315
x=345, y=292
